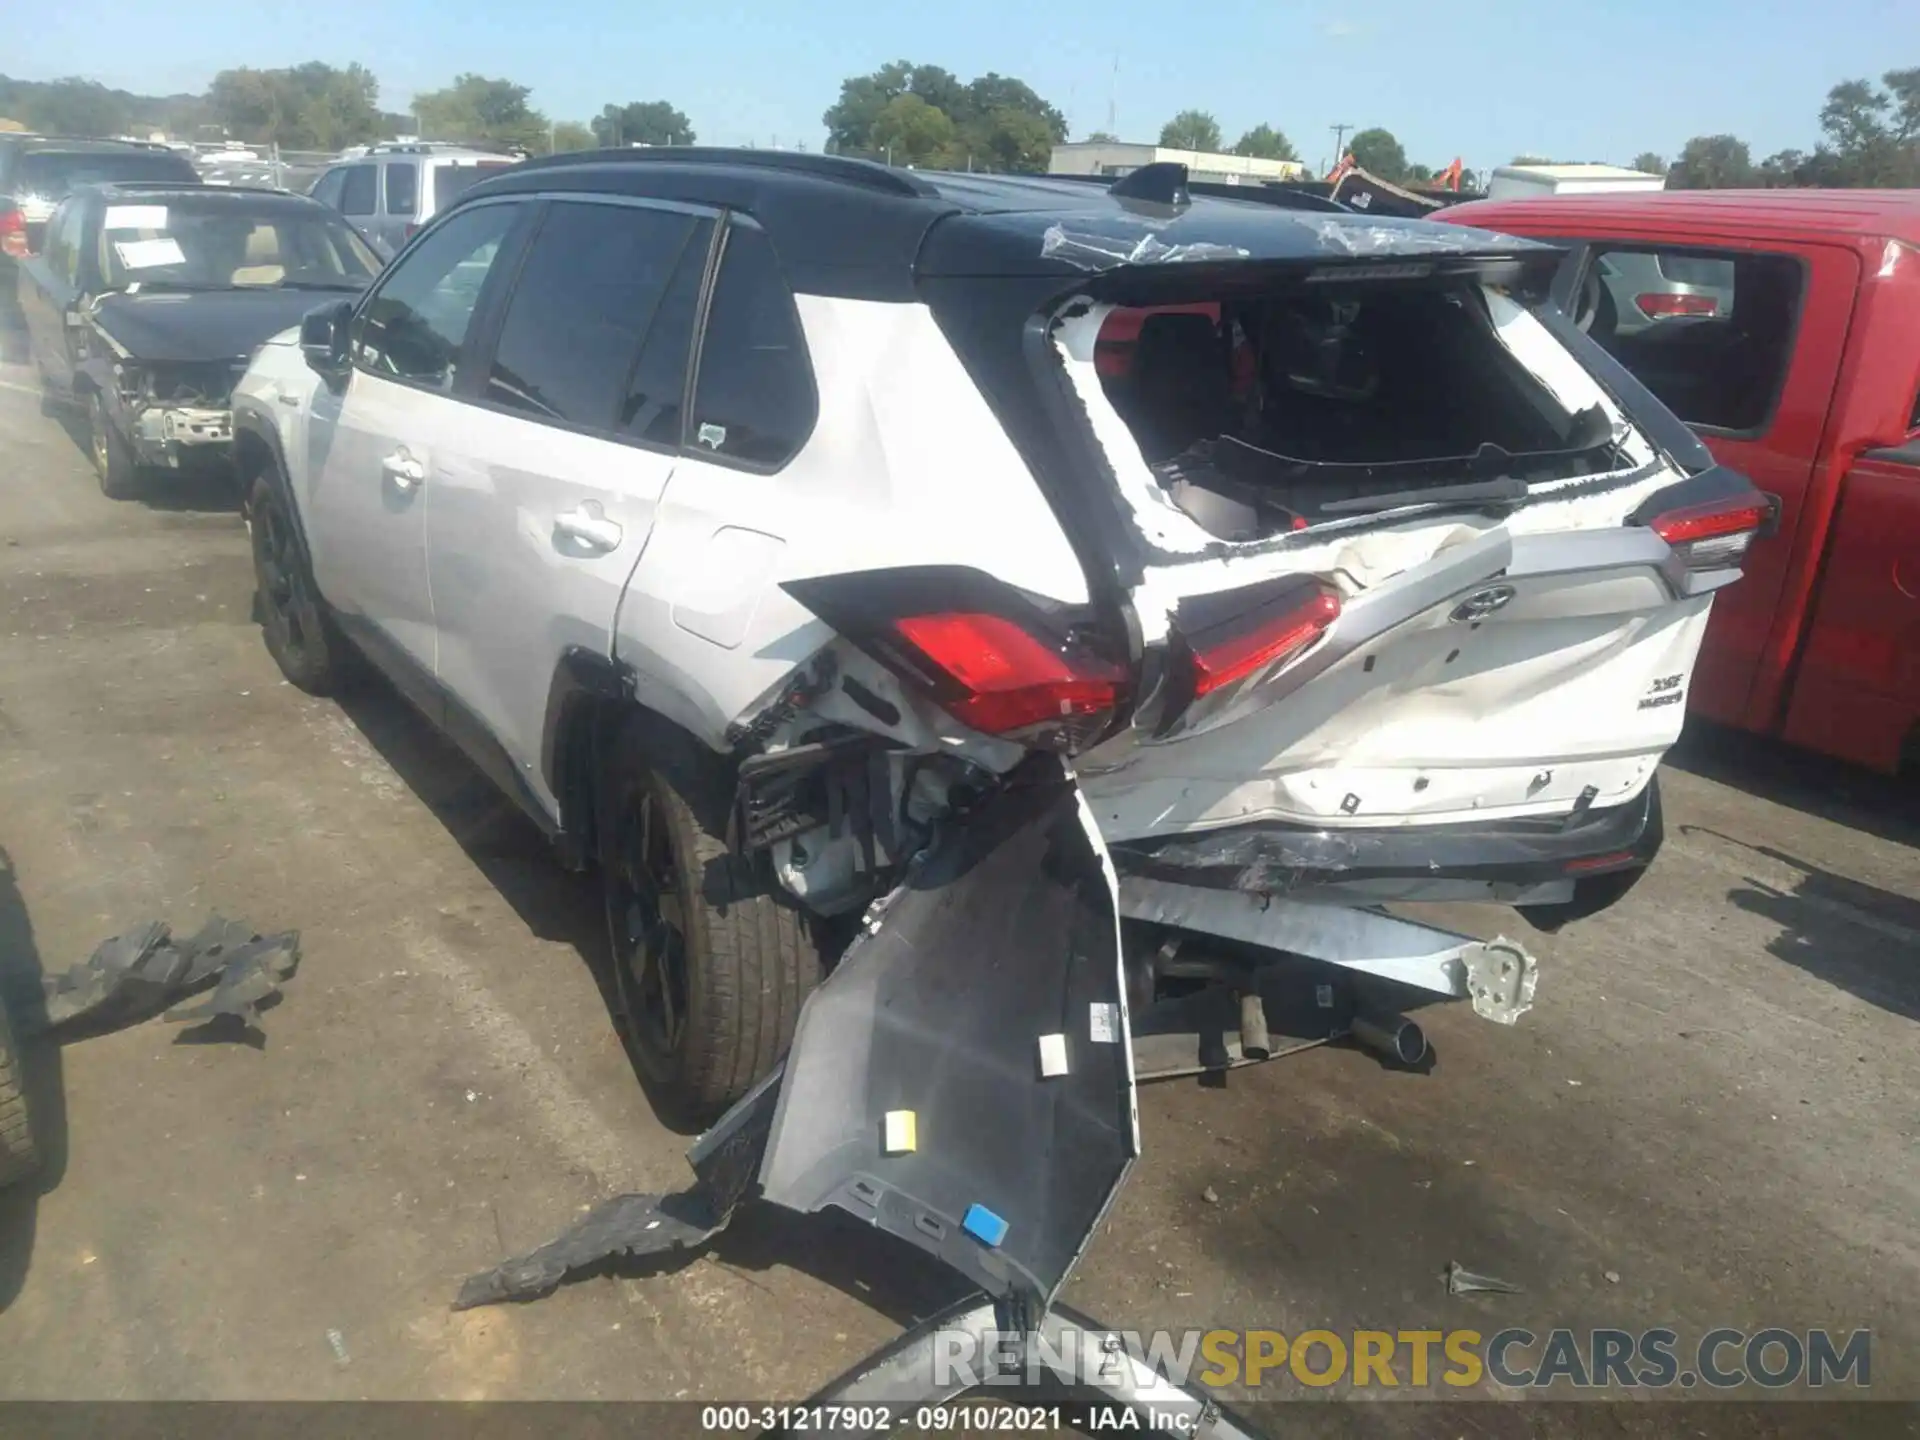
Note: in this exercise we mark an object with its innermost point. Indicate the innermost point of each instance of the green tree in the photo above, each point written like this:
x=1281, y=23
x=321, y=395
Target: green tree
x=1872, y=132
x=1377, y=152
x=1263, y=142
x=482, y=110
x=78, y=107
x=1648, y=163
x=912, y=132
x=1712, y=162
x=643, y=122
x=997, y=120
x=1100, y=137
x=1529, y=160
x=314, y=106
x=572, y=135
x=1191, y=130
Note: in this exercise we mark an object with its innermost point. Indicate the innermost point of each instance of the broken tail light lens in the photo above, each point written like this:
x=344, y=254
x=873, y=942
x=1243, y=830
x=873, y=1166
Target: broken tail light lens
x=1221, y=659
x=1231, y=653
x=13, y=234
x=1665, y=305
x=994, y=675
x=1715, y=536
x=996, y=658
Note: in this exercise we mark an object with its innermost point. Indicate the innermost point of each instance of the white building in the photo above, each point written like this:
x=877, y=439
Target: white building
x=1513, y=182
x=1102, y=157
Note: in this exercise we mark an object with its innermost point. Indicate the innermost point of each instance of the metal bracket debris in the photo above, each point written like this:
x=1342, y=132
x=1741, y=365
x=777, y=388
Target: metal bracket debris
x=134, y=976
x=1501, y=978
x=1461, y=1281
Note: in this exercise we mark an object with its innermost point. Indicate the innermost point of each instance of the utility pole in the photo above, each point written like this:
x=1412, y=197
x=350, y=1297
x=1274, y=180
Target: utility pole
x=1113, y=101
x=1339, y=142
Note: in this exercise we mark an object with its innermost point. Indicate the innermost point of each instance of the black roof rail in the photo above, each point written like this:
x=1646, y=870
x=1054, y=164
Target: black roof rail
x=181, y=183
x=843, y=168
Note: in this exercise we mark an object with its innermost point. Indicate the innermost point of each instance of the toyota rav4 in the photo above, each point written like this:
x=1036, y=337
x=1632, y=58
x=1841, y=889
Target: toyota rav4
x=890, y=579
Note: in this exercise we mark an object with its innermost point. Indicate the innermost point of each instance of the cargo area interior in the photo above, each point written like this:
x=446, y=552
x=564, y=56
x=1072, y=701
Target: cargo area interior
x=1269, y=412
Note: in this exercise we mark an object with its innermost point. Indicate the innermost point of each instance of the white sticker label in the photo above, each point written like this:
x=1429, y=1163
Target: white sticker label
x=147, y=254
x=135, y=217
x=710, y=435
x=1103, y=1023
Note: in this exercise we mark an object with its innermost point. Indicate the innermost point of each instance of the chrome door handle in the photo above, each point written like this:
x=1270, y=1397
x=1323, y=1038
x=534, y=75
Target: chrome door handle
x=403, y=470
x=589, y=526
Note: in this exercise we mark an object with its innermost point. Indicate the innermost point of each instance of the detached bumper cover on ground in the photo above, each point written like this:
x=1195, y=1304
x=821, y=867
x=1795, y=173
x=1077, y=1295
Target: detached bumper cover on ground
x=964, y=1080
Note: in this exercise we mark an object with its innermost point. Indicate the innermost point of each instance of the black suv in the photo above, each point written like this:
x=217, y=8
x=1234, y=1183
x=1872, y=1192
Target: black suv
x=37, y=172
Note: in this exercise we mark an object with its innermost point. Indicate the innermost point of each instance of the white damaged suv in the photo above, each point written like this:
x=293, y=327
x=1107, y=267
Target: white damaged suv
x=972, y=560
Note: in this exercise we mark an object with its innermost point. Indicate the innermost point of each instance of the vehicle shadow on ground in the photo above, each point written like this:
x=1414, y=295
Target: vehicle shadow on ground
x=1857, y=937
x=1801, y=780
x=43, y=1081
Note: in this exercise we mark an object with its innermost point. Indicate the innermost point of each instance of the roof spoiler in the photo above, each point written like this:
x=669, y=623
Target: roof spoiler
x=1164, y=182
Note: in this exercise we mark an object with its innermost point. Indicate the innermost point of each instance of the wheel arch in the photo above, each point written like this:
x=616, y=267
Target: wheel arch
x=590, y=701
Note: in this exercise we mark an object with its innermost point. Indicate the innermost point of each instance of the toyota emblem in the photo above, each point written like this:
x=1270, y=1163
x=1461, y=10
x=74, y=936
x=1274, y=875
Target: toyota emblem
x=1483, y=603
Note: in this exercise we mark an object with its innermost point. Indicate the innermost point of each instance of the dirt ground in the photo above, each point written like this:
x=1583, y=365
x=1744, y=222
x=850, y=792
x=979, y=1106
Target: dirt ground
x=1709, y=1119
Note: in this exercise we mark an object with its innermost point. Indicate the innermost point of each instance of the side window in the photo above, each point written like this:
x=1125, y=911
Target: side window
x=413, y=326
x=754, y=400
x=356, y=195
x=62, y=253
x=658, y=386
x=403, y=187
x=586, y=294
x=1710, y=333
x=328, y=187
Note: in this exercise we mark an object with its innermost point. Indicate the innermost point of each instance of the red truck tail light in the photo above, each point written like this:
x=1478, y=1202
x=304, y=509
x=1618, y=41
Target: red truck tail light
x=1221, y=659
x=1002, y=679
x=1715, y=536
x=13, y=234
x=1665, y=304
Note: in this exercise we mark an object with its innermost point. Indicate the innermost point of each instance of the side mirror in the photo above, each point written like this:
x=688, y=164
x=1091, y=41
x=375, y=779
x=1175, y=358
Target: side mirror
x=323, y=338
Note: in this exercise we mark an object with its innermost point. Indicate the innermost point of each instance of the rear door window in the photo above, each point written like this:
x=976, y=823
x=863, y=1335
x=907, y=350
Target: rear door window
x=403, y=188
x=587, y=293
x=450, y=180
x=415, y=325
x=357, y=197
x=754, y=401
x=1710, y=333
x=328, y=187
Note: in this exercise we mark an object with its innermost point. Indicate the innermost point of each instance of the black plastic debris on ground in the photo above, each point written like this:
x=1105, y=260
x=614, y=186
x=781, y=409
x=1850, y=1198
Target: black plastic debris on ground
x=137, y=975
x=726, y=1165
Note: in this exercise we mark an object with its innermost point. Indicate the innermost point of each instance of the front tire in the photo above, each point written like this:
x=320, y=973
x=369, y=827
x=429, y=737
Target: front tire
x=293, y=618
x=112, y=459
x=711, y=966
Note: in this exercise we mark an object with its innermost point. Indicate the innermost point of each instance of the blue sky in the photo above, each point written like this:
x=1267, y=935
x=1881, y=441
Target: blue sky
x=1484, y=79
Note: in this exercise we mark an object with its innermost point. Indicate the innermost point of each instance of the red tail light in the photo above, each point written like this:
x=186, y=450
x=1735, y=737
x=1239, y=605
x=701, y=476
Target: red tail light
x=1715, y=536
x=13, y=234
x=994, y=675
x=1664, y=304
x=1220, y=659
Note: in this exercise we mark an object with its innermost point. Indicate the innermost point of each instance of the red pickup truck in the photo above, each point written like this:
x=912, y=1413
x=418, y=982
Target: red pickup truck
x=1784, y=327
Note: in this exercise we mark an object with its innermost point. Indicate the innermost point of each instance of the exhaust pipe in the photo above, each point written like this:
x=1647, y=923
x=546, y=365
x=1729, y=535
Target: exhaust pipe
x=1255, y=1044
x=1393, y=1036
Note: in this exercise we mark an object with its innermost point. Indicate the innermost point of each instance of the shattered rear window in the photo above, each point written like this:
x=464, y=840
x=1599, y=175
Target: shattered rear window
x=1260, y=411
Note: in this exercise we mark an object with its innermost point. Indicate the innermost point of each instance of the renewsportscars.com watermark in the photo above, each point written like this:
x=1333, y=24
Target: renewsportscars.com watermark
x=1561, y=1359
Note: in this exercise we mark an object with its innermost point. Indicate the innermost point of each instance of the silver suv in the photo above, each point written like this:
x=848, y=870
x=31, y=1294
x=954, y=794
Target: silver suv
x=394, y=189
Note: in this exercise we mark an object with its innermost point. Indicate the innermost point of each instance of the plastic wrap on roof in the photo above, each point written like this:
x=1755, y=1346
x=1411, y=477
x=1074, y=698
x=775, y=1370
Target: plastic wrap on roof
x=1090, y=250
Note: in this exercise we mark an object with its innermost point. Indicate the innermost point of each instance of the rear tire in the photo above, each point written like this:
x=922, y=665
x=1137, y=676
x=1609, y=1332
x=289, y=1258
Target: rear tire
x=293, y=619
x=711, y=964
x=19, y=1147
x=112, y=459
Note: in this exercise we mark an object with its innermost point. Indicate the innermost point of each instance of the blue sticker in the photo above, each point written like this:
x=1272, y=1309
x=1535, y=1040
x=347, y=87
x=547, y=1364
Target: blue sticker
x=985, y=1226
